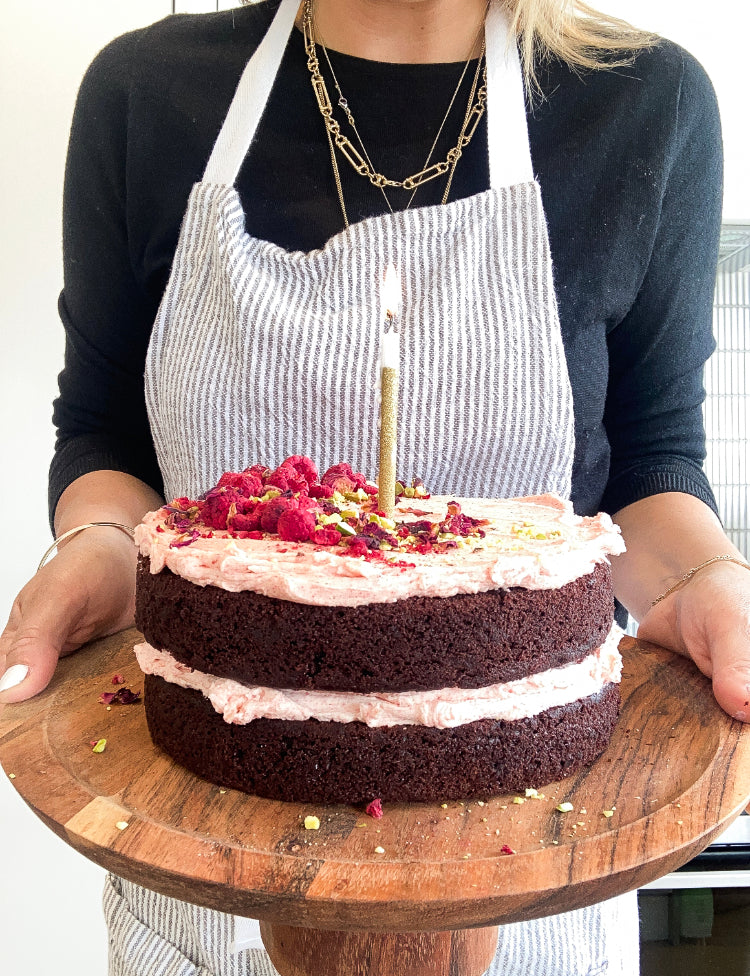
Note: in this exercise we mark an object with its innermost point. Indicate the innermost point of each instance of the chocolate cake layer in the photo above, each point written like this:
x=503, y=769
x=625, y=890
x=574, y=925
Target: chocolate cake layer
x=464, y=641
x=330, y=762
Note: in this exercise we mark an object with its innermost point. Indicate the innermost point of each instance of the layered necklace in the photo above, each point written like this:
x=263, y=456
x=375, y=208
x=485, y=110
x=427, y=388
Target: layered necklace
x=359, y=159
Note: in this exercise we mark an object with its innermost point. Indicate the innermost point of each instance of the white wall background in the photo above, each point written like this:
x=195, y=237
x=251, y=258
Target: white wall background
x=49, y=896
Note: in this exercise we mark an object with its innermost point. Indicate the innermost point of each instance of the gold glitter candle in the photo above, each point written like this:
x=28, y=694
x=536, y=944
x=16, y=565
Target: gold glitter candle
x=389, y=366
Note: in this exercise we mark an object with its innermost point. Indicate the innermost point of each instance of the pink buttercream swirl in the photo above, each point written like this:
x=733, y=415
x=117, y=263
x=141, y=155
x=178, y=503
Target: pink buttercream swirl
x=535, y=543
x=442, y=709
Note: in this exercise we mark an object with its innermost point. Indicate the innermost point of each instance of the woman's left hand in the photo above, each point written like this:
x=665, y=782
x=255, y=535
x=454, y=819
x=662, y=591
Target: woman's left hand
x=706, y=617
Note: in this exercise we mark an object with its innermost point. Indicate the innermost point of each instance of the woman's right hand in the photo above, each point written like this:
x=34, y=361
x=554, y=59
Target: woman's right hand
x=86, y=591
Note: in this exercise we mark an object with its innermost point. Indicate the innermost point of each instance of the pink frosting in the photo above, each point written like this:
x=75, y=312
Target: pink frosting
x=536, y=543
x=442, y=709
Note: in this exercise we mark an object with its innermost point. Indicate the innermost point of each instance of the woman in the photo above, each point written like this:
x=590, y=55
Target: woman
x=590, y=385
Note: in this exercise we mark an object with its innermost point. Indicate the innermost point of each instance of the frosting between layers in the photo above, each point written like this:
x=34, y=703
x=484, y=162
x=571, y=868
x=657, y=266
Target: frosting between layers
x=443, y=709
x=568, y=547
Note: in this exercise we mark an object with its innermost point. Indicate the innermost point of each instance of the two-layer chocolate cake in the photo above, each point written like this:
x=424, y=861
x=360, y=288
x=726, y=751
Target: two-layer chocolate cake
x=301, y=646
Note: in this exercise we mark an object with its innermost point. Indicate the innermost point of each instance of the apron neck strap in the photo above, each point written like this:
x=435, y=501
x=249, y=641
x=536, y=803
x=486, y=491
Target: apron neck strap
x=508, y=140
x=250, y=99
x=507, y=131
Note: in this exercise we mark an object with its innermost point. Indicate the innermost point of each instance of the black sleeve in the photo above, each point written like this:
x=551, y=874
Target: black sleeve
x=100, y=413
x=657, y=352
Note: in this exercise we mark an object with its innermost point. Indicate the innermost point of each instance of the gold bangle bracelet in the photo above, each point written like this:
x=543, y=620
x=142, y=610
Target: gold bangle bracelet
x=696, y=569
x=82, y=528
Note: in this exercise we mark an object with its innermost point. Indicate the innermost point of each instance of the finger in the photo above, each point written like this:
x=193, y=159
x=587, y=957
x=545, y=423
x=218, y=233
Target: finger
x=731, y=675
x=30, y=662
x=31, y=646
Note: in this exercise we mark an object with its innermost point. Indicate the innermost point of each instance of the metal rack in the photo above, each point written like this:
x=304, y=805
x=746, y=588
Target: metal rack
x=727, y=406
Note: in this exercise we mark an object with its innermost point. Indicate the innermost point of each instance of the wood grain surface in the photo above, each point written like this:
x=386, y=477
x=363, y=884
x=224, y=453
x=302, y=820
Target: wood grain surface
x=675, y=774
x=296, y=951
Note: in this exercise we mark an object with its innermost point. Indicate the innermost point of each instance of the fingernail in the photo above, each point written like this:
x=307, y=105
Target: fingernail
x=13, y=676
x=741, y=715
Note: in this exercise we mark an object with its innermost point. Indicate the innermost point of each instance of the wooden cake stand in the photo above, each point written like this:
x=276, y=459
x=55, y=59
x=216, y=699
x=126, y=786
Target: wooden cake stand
x=419, y=890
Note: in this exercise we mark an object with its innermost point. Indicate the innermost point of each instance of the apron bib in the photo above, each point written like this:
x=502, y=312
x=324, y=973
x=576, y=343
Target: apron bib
x=259, y=353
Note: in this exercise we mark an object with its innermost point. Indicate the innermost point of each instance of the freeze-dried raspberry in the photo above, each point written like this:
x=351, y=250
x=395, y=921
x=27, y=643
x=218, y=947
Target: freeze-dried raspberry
x=216, y=507
x=281, y=478
x=304, y=466
x=245, y=484
x=258, y=471
x=340, y=477
x=296, y=526
x=326, y=537
x=359, y=480
x=271, y=511
x=246, y=506
x=321, y=491
x=245, y=523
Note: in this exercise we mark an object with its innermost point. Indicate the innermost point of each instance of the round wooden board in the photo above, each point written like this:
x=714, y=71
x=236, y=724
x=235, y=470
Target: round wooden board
x=675, y=774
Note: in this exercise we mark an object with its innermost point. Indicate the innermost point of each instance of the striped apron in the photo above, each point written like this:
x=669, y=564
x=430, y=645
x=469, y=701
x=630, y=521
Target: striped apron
x=258, y=353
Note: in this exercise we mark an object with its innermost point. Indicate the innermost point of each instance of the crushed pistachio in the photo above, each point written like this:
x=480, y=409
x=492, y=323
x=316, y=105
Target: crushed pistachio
x=312, y=823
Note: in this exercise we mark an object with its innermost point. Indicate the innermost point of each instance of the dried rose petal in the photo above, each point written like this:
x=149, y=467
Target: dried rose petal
x=375, y=809
x=185, y=540
x=506, y=850
x=123, y=696
x=357, y=546
x=117, y=679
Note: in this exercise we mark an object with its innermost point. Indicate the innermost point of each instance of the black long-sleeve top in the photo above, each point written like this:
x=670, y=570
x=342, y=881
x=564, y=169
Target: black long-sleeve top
x=629, y=164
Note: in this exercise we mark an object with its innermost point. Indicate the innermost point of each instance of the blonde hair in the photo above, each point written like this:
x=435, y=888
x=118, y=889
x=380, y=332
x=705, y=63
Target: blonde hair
x=575, y=33
x=572, y=31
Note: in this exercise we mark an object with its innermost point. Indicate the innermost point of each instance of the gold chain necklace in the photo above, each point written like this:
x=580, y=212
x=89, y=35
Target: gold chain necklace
x=344, y=105
x=360, y=162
